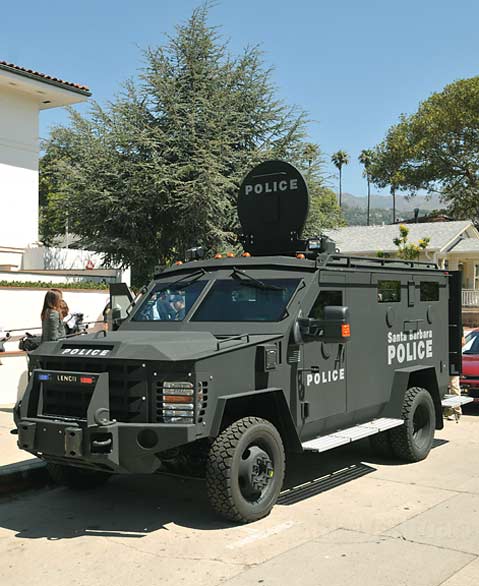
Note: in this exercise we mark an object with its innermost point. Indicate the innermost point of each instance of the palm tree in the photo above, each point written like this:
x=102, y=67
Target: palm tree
x=393, y=193
x=339, y=159
x=365, y=158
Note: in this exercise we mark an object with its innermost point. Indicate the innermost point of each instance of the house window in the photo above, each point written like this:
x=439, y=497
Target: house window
x=476, y=276
x=389, y=291
x=325, y=298
x=429, y=291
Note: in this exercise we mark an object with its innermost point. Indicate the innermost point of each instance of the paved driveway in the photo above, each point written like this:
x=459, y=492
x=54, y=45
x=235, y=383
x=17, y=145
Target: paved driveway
x=352, y=519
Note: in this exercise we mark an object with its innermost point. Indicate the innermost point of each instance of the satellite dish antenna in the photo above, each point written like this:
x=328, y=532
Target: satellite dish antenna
x=273, y=205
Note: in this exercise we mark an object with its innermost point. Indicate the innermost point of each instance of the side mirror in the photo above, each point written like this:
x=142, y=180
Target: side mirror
x=333, y=328
x=120, y=301
x=116, y=318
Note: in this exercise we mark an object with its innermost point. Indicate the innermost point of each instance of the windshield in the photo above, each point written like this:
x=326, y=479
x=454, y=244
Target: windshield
x=169, y=302
x=472, y=343
x=241, y=300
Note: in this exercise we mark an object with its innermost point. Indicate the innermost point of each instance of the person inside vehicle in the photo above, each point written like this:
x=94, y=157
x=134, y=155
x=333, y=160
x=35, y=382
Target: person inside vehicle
x=179, y=309
x=52, y=322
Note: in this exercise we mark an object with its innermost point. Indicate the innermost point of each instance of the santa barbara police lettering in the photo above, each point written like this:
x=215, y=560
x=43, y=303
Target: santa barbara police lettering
x=85, y=352
x=324, y=377
x=409, y=346
x=272, y=186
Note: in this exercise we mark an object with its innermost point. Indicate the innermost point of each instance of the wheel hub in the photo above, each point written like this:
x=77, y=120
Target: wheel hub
x=255, y=473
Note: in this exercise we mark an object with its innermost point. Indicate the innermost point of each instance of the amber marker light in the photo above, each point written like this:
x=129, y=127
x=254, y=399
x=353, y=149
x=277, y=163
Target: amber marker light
x=246, y=254
x=177, y=399
x=178, y=262
x=218, y=255
x=345, y=330
x=230, y=254
x=300, y=256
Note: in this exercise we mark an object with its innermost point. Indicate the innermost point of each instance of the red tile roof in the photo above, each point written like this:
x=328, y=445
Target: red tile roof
x=44, y=77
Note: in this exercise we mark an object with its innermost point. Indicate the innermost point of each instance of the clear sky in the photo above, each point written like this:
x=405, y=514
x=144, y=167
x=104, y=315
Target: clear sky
x=355, y=66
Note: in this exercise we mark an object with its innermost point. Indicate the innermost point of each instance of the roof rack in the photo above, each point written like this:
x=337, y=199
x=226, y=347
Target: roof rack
x=344, y=260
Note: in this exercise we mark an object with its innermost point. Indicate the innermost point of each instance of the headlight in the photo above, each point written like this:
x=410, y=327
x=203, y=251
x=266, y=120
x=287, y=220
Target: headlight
x=179, y=402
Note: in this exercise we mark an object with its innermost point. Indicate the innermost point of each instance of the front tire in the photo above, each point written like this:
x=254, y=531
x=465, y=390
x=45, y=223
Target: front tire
x=245, y=470
x=413, y=440
x=76, y=478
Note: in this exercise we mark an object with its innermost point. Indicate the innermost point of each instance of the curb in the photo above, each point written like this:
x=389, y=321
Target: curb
x=22, y=476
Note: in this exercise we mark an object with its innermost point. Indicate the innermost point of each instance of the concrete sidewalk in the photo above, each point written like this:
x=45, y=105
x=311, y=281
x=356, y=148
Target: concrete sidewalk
x=345, y=518
x=18, y=469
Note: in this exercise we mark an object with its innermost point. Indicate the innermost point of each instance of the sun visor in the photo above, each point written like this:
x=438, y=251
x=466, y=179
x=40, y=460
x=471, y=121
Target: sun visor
x=273, y=206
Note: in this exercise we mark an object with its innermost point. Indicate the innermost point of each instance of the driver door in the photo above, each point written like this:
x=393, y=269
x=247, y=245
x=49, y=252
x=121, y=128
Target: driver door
x=324, y=369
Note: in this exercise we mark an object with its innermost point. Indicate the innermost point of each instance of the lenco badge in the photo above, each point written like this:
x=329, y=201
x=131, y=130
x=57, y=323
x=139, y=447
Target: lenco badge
x=72, y=351
x=66, y=378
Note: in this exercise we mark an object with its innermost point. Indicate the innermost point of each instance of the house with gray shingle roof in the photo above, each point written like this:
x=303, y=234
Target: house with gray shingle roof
x=453, y=245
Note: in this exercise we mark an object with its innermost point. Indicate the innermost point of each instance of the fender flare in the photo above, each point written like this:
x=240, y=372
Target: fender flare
x=269, y=403
x=414, y=376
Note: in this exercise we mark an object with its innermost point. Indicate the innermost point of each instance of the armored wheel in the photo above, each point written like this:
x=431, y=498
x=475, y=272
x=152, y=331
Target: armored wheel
x=413, y=440
x=77, y=478
x=245, y=470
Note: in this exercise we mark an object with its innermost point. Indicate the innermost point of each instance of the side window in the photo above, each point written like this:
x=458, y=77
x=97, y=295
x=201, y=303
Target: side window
x=429, y=291
x=389, y=291
x=322, y=300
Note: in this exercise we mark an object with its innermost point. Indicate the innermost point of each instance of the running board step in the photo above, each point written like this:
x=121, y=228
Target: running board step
x=351, y=434
x=455, y=400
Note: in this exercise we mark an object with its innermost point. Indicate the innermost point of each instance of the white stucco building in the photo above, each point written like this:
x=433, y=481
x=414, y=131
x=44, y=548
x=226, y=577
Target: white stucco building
x=23, y=261
x=23, y=94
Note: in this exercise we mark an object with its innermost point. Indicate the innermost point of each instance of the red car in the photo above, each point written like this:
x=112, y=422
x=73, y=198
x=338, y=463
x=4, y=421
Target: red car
x=470, y=365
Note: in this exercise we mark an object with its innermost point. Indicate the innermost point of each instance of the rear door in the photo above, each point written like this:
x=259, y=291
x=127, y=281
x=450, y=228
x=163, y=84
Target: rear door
x=455, y=323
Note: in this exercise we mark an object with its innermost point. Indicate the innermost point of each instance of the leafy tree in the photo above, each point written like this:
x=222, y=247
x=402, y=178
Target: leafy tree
x=436, y=149
x=339, y=159
x=405, y=249
x=356, y=216
x=365, y=158
x=157, y=170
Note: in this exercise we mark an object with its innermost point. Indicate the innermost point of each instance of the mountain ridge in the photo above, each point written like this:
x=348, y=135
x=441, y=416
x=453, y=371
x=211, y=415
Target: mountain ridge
x=404, y=203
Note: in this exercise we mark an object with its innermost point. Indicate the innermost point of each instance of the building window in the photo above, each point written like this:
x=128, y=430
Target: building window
x=325, y=298
x=476, y=276
x=389, y=291
x=429, y=291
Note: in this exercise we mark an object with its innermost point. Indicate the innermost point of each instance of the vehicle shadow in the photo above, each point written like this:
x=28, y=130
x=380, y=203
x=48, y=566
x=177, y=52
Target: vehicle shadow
x=310, y=474
x=471, y=409
x=135, y=506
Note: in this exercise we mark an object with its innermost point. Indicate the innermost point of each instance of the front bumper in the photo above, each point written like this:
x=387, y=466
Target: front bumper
x=93, y=439
x=117, y=447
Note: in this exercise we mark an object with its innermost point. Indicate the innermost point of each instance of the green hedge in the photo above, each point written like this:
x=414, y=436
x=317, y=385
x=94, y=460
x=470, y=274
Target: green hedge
x=44, y=285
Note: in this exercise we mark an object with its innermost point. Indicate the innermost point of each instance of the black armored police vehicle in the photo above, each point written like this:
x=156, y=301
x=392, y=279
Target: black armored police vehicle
x=224, y=365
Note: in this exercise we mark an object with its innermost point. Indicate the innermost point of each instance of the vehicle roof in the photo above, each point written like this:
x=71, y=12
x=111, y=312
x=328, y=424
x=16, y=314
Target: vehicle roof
x=301, y=265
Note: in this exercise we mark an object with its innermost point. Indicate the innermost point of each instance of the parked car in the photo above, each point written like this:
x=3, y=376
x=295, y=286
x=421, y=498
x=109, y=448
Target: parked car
x=470, y=365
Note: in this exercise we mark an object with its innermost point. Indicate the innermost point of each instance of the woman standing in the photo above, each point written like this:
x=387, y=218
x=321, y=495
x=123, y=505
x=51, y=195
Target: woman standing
x=52, y=323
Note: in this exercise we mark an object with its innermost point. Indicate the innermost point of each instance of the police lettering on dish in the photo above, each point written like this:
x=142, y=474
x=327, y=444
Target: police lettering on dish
x=272, y=187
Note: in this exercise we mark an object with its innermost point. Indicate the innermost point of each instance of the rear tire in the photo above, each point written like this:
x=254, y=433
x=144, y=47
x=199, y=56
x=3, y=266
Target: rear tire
x=413, y=440
x=245, y=470
x=76, y=478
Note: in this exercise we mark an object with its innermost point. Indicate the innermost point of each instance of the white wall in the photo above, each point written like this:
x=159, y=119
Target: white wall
x=13, y=378
x=11, y=256
x=18, y=169
x=43, y=257
x=20, y=308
